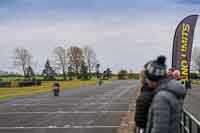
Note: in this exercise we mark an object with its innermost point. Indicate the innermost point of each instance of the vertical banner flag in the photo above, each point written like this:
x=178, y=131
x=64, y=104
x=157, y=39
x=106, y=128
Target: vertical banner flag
x=182, y=48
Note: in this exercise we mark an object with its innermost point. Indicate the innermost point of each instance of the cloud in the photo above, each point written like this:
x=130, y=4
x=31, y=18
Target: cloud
x=189, y=1
x=119, y=42
x=125, y=34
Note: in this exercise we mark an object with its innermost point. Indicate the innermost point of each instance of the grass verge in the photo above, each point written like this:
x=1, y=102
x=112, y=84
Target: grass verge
x=9, y=93
x=196, y=82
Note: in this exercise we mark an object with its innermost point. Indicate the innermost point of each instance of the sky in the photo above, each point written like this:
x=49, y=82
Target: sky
x=124, y=33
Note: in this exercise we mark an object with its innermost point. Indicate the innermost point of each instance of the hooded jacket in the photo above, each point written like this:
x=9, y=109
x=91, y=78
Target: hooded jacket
x=165, y=111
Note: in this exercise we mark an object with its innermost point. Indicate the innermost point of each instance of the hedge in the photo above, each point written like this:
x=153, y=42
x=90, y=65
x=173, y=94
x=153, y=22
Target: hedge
x=4, y=84
x=29, y=83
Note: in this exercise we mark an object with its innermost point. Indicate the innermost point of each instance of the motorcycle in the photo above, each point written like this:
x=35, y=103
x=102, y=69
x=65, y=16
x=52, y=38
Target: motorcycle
x=56, y=89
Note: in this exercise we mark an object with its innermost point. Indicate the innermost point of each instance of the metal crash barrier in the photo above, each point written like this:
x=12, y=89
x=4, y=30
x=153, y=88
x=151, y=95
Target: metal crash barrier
x=189, y=123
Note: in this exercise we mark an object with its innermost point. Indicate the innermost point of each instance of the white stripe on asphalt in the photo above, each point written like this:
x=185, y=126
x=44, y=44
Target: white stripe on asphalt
x=66, y=104
x=123, y=92
x=57, y=127
x=63, y=112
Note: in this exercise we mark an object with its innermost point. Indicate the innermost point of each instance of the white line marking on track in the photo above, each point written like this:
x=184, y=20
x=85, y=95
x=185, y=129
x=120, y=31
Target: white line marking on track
x=63, y=112
x=41, y=104
x=123, y=92
x=58, y=127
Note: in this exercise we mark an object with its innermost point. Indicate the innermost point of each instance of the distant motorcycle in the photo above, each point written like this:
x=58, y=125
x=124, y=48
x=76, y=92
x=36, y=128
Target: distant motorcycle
x=56, y=89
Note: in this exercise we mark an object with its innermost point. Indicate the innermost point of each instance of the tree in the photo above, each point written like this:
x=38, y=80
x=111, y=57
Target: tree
x=61, y=59
x=196, y=57
x=105, y=75
x=123, y=75
x=30, y=73
x=98, y=74
x=108, y=73
x=84, y=75
x=90, y=58
x=76, y=58
x=70, y=73
x=48, y=72
x=22, y=58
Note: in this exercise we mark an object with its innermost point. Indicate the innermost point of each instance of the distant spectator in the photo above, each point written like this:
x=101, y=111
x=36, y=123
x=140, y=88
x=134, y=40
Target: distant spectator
x=170, y=73
x=177, y=75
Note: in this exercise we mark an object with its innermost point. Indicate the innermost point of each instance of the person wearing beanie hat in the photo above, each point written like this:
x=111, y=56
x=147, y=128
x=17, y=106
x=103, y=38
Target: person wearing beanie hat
x=168, y=96
x=157, y=69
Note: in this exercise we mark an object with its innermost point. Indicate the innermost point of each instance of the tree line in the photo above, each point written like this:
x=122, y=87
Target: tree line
x=71, y=62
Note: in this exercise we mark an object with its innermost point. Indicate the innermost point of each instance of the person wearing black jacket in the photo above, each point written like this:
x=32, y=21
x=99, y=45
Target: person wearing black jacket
x=143, y=103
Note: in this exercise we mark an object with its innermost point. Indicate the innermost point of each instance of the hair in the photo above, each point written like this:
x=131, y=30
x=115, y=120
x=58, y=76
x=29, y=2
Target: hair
x=56, y=84
x=143, y=72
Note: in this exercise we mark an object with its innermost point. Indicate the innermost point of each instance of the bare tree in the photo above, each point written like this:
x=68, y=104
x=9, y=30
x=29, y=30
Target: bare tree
x=196, y=57
x=90, y=58
x=61, y=59
x=76, y=58
x=22, y=58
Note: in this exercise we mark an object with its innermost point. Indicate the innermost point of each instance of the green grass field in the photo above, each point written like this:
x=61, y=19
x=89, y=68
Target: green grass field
x=9, y=78
x=197, y=82
x=8, y=93
x=6, y=79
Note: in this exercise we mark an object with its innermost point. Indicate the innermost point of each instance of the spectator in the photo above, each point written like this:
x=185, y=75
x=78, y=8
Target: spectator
x=143, y=103
x=177, y=75
x=168, y=95
x=170, y=73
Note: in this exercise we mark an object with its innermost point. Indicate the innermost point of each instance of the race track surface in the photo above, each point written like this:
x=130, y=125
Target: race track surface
x=192, y=101
x=82, y=110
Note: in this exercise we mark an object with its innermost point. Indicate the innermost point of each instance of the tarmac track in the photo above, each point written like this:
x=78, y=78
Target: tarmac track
x=192, y=101
x=82, y=110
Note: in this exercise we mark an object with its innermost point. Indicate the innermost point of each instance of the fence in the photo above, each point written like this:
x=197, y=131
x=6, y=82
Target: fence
x=189, y=123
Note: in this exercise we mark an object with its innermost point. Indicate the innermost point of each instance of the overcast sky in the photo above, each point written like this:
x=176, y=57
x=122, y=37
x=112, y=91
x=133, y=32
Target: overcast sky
x=124, y=33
